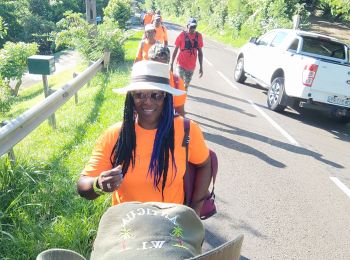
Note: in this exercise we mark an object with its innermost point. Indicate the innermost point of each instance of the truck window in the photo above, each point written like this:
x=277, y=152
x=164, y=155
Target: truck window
x=279, y=38
x=323, y=47
x=294, y=46
x=266, y=38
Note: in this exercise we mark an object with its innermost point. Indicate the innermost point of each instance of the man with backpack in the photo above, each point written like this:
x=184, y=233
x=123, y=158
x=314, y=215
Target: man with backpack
x=190, y=43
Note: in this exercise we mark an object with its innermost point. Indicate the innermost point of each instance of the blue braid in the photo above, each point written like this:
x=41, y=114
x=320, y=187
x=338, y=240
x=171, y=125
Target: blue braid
x=157, y=163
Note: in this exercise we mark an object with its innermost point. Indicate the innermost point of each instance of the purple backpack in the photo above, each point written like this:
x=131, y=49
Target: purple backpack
x=208, y=208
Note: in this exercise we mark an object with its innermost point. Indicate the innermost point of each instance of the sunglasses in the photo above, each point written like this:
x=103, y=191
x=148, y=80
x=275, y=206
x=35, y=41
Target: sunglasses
x=154, y=96
x=193, y=27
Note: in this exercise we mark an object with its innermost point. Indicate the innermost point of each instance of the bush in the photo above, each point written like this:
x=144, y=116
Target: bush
x=110, y=38
x=119, y=11
x=6, y=99
x=75, y=32
x=89, y=40
x=13, y=62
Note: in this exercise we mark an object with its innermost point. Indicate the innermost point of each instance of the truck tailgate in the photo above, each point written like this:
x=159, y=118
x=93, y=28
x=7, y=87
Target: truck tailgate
x=332, y=84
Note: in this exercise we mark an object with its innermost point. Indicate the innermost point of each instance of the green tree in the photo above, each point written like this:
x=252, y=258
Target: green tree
x=75, y=32
x=337, y=9
x=90, y=40
x=13, y=62
x=37, y=29
x=11, y=13
x=119, y=10
x=3, y=28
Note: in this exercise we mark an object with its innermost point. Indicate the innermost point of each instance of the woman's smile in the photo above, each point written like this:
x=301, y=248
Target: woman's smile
x=149, y=106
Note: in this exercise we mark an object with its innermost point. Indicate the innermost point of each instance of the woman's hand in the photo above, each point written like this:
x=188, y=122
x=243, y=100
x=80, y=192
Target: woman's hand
x=110, y=180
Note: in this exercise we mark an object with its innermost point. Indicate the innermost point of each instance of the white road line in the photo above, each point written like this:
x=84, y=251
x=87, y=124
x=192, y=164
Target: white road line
x=227, y=80
x=341, y=185
x=207, y=61
x=274, y=124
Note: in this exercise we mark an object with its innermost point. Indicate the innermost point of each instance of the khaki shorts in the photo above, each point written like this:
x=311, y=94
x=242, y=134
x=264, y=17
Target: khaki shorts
x=186, y=75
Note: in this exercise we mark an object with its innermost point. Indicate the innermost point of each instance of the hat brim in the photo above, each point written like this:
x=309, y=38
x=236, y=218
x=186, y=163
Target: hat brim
x=149, y=86
x=192, y=24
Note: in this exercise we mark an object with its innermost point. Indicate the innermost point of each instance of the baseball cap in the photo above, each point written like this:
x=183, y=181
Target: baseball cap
x=157, y=17
x=148, y=231
x=192, y=22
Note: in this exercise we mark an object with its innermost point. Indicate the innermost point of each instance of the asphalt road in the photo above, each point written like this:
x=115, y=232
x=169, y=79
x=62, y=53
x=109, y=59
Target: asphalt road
x=283, y=179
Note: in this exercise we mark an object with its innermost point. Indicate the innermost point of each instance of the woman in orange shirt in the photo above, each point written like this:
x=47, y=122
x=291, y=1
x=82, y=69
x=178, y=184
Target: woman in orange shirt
x=143, y=158
x=146, y=43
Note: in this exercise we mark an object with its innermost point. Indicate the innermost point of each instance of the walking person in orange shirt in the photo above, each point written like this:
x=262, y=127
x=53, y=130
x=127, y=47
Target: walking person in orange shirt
x=147, y=18
x=146, y=43
x=161, y=31
x=161, y=53
x=142, y=158
x=190, y=43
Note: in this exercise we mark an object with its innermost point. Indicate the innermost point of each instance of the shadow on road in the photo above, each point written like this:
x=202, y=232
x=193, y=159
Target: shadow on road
x=310, y=117
x=218, y=104
x=320, y=120
x=247, y=149
x=219, y=93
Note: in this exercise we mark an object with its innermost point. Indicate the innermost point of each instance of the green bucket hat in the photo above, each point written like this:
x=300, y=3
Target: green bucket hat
x=151, y=230
x=159, y=51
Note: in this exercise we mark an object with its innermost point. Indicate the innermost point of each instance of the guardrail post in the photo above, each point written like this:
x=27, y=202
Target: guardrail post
x=76, y=94
x=47, y=92
x=10, y=153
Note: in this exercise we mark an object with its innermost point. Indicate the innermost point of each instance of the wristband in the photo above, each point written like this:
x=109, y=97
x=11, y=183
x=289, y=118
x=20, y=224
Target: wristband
x=97, y=190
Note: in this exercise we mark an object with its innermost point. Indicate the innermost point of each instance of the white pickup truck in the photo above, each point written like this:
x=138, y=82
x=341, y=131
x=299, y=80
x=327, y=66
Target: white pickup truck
x=299, y=67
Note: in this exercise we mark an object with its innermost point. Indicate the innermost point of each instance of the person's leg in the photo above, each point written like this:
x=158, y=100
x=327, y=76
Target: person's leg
x=186, y=76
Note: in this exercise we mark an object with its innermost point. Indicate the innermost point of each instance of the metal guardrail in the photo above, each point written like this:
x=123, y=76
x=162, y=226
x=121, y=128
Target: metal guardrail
x=15, y=130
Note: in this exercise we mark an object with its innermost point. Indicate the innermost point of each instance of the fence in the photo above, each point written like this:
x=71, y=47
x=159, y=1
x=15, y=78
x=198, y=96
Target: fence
x=15, y=130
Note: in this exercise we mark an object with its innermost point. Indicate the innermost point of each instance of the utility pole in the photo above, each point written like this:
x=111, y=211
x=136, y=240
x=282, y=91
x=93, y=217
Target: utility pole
x=90, y=11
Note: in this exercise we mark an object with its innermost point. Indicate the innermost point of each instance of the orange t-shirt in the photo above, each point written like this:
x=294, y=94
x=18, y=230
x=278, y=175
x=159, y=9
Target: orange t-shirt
x=161, y=34
x=137, y=184
x=179, y=84
x=142, y=52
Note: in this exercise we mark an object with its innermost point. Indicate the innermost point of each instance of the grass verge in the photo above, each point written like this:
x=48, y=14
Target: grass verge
x=39, y=205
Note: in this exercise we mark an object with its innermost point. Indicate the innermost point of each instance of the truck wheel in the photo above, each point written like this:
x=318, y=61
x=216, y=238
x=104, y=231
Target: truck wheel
x=239, y=74
x=275, y=95
x=340, y=118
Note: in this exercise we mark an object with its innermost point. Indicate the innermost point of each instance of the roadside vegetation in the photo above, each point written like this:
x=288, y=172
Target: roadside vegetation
x=235, y=21
x=39, y=205
x=29, y=27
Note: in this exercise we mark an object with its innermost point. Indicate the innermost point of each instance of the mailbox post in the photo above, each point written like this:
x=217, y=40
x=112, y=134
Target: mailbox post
x=44, y=65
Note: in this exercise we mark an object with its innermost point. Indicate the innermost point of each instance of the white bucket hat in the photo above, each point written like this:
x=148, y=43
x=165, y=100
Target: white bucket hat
x=150, y=75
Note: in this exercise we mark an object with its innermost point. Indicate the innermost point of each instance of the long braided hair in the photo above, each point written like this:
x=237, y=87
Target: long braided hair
x=124, y=150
